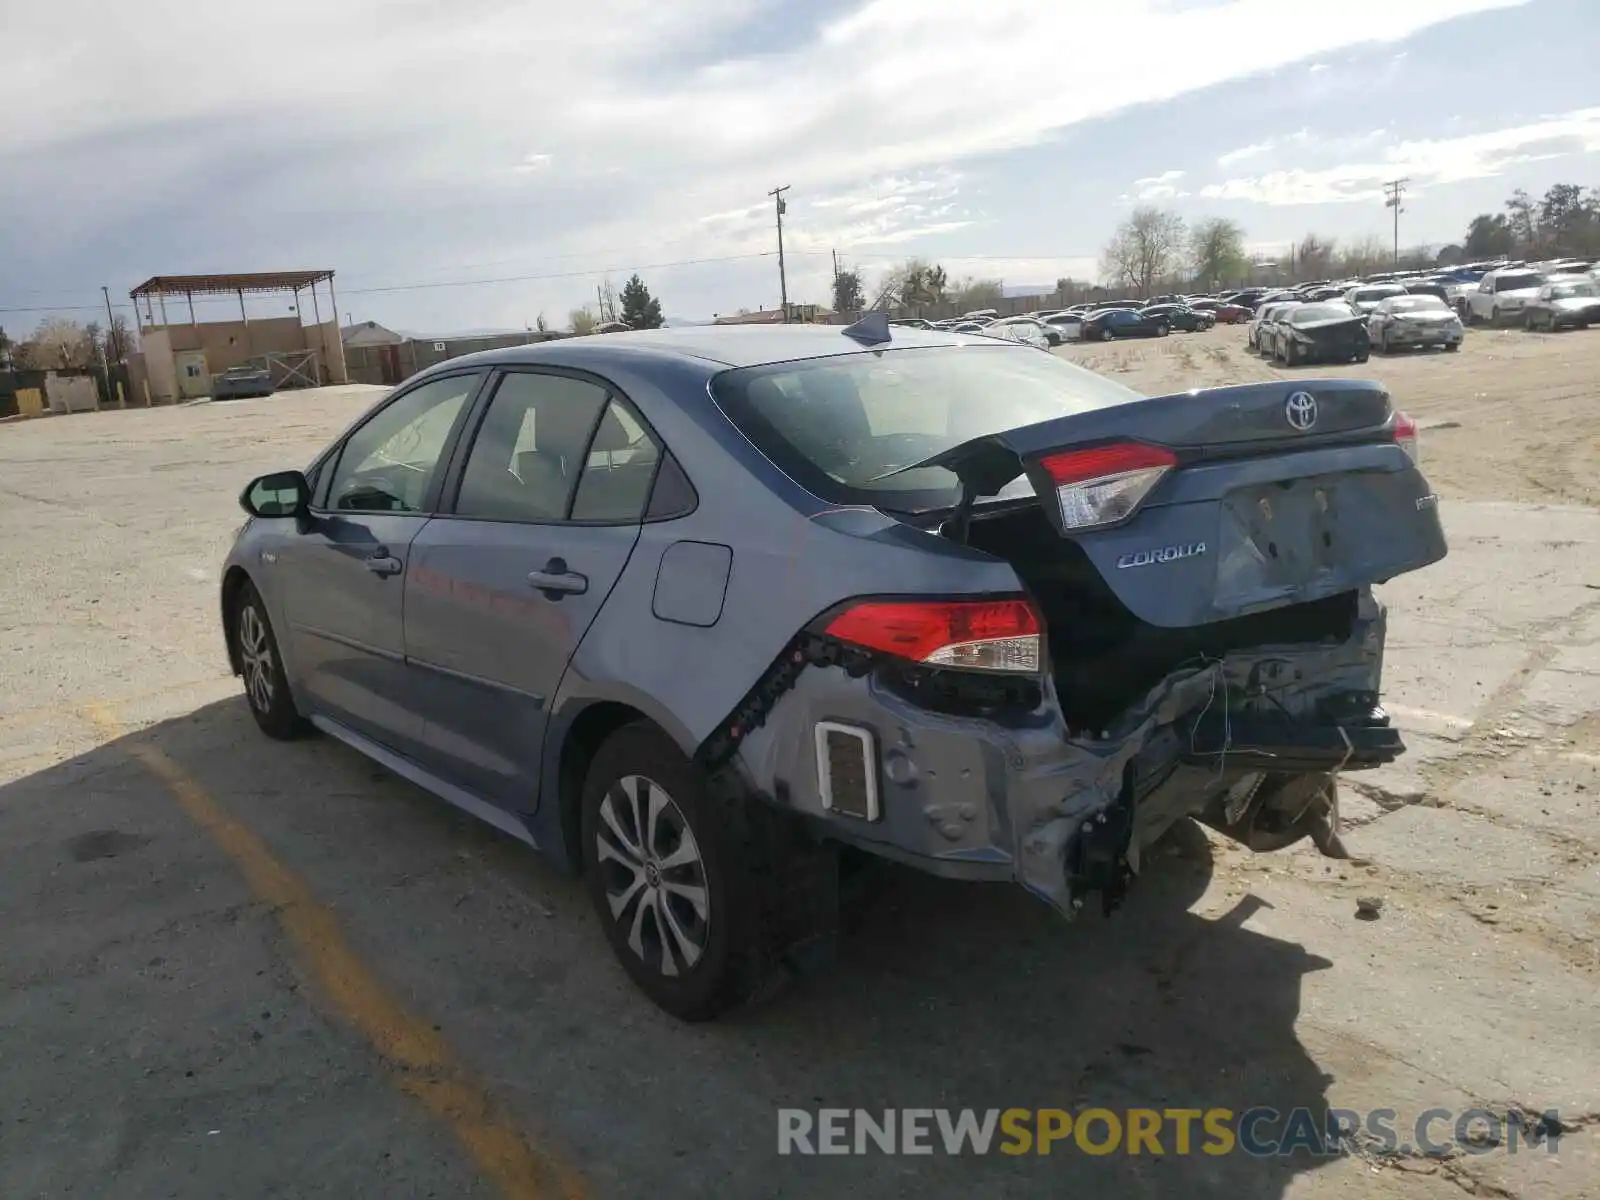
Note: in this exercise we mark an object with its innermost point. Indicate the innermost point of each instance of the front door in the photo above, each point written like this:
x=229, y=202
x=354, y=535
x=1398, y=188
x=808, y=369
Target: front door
x=504, y=586
x=346, y=583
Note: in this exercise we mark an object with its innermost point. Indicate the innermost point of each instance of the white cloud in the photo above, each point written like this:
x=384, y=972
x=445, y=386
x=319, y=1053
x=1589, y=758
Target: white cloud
x=1426, y=162
x=1243, y=153
x=402, y=107
x=1158, y=187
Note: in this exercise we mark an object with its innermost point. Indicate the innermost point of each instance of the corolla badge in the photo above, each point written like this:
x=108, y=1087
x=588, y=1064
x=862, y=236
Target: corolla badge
x=1300, y=410
x=1166, y=554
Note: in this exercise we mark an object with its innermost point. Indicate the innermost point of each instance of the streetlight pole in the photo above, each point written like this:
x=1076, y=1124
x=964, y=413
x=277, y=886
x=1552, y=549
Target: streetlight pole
x=1392, y=193
x=781, y=206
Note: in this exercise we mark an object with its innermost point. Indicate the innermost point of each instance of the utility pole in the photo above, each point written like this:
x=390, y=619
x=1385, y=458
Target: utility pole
x=1392, y=193
x=111, y=324
x=781, y=206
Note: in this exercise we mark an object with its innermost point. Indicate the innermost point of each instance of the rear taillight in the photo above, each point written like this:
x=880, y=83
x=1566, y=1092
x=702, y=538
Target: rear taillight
x=1103, y=485
x=1405, y=436
x=977, y=635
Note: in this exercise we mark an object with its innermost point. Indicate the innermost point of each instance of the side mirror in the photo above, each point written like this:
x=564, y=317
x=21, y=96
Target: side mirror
x=281, y=494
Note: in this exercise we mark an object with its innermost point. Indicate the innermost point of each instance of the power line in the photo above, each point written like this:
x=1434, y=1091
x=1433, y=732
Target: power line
x=659, y=266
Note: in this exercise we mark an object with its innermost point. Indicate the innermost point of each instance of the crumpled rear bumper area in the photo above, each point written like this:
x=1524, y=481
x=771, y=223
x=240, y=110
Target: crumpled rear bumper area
x=1064, y=814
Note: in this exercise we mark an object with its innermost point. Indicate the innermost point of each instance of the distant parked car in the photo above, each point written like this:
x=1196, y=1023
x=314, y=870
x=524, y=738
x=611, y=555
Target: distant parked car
x=1225, y=312
x=912, y=323
x=1259, y=332
x=1123, y=323
x=1500, y=295
x=1565, y=303
x=1413, y=320
x=240, y=383
x=1023, y=329
x=1367, y=296
x=1068, y=326
x=1181, y=316
x=1331, y=332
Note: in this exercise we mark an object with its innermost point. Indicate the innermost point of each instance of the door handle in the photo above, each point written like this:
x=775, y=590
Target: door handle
x=381, y=562
x=556, y=581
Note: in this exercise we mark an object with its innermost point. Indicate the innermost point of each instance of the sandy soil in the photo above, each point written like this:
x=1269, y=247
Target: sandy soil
x=1511, y=416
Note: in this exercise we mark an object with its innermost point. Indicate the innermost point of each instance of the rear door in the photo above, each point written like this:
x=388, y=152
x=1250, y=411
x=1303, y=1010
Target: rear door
x=343, y=576
x=545, y=510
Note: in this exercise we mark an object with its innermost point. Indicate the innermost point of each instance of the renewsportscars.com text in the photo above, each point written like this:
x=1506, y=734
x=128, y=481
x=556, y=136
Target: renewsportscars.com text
x=1259, y=1132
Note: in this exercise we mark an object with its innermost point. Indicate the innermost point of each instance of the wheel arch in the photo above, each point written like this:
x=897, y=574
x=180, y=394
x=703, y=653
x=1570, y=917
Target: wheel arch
x=233, y=584
x=576, y=731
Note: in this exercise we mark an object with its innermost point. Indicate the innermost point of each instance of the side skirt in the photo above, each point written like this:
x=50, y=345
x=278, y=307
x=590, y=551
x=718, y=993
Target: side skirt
x=464, y=800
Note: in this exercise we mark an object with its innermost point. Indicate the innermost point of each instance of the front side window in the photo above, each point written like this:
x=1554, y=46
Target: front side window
x=839, y=425
x=389, y=463
x=529, y=452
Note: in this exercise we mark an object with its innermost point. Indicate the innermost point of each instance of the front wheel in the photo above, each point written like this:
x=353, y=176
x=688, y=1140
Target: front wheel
x=266, y=686
x=675, y=873
x=1452, y=347
x=1363, y=355
x=1291, y=355
x=1162, y=330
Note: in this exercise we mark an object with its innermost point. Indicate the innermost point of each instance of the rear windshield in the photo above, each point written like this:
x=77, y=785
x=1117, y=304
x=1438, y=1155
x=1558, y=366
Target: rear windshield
x=837, y=425
x=1416, y=304
x=1310, y=314
x=1514, y=283
x=1377, y=293
x=1566, y=291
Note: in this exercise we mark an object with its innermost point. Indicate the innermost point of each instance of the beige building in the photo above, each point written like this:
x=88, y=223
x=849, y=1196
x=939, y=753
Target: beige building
x=182, y=354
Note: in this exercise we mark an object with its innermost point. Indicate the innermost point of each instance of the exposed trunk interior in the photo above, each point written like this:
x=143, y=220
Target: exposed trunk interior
x=1103, y=657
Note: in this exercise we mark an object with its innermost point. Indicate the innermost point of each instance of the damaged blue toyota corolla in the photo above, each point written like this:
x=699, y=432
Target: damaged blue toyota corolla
x=692, y=610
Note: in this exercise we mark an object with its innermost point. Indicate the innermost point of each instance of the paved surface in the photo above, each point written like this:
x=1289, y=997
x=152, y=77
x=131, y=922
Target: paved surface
x=234, y=968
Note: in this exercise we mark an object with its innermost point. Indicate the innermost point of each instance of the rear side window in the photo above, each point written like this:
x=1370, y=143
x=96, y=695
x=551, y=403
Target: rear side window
x=619, y=470
x=838, y=426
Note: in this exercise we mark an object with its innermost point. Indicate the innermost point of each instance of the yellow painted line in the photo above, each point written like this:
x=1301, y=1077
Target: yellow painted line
x=27, y=716
x=421, y=1061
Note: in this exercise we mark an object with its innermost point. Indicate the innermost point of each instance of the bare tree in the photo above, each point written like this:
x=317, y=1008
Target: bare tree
x=1314, y=257
x=61, y=342
x=1216, y=252
x=1366, y=256
x=1146, y=249
x=972, y=294
x=541, y=324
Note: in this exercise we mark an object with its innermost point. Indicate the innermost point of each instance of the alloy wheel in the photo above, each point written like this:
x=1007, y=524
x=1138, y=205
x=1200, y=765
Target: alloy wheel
x=255, y=654
x=653, y=875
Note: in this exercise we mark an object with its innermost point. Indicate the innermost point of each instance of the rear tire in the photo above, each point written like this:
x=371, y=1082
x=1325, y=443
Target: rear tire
x=680, y=876
x=1162, y=330
x=1291, y=356
x=266, y=686
x=1452, y=347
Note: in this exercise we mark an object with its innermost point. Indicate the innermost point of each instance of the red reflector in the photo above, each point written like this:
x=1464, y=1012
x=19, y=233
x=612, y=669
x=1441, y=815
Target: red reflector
x=916, y=630
x=1074, y=466
x=1405, y=429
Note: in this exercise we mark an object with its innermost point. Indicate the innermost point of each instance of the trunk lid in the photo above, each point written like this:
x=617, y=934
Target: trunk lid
x=1346, y=334
x=1280, y=493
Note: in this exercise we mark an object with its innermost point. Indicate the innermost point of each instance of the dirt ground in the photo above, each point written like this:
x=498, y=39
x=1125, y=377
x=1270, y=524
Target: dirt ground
x=235, y=968
x=1512, y=415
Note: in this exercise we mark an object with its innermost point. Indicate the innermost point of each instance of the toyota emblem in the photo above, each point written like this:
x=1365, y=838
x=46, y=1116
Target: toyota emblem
x=1300, y=410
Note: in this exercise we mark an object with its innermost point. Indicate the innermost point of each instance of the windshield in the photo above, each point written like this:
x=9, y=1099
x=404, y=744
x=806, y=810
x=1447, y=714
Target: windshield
x=1515, y=283
x=836, y=425
x=1368, y=295
x=1567, y=291
x=1416, y=304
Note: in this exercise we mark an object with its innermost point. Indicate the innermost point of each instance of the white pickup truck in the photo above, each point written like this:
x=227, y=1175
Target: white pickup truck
x=1500, y=295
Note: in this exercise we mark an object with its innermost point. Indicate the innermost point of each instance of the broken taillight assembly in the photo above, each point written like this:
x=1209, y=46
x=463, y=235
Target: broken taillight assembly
x=1103, y=485
x=974, y=635
x=1405, y=436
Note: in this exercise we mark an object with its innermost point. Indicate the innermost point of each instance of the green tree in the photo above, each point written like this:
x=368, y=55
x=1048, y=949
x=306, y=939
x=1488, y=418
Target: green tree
x=1488, y=235
x=847, y=295
x=640, y=310
x=583, y=320
x=1216, y=252
x=973, y=294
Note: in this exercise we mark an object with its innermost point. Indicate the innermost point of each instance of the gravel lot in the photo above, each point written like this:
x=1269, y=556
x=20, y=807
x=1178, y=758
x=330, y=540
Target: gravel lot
x=237, y=969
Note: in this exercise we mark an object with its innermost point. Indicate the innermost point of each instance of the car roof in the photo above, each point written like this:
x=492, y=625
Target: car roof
x=719, y=345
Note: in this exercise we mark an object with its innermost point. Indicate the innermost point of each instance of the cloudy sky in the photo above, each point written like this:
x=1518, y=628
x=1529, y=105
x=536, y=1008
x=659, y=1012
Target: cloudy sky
x=476, y=164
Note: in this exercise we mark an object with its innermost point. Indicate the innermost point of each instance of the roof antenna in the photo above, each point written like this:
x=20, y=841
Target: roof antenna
x=871, y=330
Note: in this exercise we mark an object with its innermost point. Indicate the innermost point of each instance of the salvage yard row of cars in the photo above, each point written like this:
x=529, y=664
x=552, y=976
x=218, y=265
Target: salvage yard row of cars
x=1325, y=320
